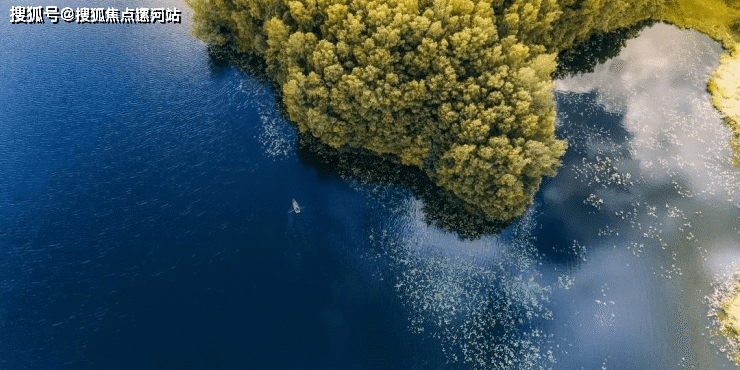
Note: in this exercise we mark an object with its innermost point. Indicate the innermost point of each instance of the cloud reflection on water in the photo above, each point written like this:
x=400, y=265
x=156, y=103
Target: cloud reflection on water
x=628, y=241
x=667, y=226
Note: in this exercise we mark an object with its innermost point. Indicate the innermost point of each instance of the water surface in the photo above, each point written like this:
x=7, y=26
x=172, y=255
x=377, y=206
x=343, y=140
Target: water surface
x=145, y=223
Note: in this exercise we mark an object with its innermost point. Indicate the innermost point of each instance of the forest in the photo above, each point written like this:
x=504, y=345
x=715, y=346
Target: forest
x=461, y=89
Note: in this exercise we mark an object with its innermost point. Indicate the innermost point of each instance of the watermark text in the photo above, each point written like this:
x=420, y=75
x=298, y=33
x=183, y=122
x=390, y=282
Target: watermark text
x=41, y=14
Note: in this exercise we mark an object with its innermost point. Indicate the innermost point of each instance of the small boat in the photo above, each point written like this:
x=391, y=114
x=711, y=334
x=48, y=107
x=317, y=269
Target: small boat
x=296, y=207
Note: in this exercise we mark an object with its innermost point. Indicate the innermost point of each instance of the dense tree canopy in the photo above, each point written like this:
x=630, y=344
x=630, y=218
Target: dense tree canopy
x=458, y=88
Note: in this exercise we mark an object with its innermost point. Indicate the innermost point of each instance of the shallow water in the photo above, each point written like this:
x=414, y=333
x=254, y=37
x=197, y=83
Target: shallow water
x=145, y=223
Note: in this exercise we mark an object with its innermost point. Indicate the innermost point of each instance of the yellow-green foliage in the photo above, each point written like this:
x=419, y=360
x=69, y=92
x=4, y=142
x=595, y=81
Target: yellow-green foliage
x=725, y=88
x=720, y=19
x=459, y=88
x=728, y=316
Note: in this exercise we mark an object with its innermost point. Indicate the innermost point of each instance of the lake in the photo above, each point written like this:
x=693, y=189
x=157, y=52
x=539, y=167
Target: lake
x=146, y=222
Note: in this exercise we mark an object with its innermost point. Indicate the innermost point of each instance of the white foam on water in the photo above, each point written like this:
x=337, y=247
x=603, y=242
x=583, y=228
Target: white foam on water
x=481, y=299
x=660, y=88
x=668, y=192
x=673, y=199
x=275, y=134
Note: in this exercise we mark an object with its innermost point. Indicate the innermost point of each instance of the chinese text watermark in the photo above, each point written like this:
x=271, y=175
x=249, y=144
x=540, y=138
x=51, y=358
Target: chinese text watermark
x=39, y=14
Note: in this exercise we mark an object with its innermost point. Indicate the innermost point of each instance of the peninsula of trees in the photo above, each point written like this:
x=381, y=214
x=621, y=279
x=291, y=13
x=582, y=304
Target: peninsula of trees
x=461, y=89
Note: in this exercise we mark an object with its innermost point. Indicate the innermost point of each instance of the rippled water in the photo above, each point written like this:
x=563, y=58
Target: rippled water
x=145, y=222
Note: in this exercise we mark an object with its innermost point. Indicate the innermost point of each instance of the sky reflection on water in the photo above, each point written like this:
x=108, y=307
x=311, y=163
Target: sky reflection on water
x=630, y=239
x=152, y=218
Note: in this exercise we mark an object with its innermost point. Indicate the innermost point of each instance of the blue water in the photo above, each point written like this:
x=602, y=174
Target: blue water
x=144, y=225
x=145, y=198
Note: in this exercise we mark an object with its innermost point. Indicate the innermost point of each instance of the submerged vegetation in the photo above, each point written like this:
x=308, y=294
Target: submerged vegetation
x=460, y=89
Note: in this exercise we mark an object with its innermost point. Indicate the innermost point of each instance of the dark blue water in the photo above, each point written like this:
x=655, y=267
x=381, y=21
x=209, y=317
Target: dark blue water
x=143, y=223
x=145, y=197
